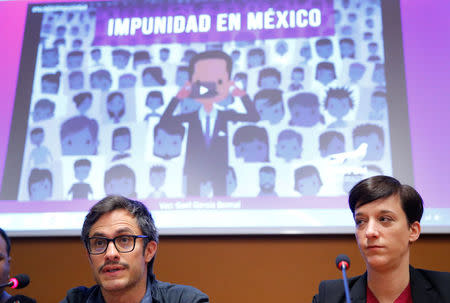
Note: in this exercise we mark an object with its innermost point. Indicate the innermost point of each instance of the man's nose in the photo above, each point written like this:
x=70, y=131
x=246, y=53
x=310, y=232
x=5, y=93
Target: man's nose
x=111, y=252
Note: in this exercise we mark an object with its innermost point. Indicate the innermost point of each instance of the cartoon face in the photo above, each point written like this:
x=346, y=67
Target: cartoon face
x=266, y=180
x=42, y=113
x=351, y=17
x=347, y=50
x=273, y=113
x=149, y=80
x=84, y=106
x=157, y=179
x=335, y=146
x=60, y=31
x=167, y=146
x=235, y=55
x=49, y=87
x=289, y=149
x=369, y=23
x=76, y=81
x=79, y=143
x=121, y=143
x=255, y=60
x=82, y=172
x=116, y=105
x=375, y=147
x=309, y=185
x=378, y=75
x=297, y=77
x=153, y=102
x=96, y=55
x=241, y=82
x=120, y=186
x=324, y=51
x=325, y=76
x=378, y=103
x=305, y=115
x=182, y=77
x=281, y=48
x=253, y=151
x=50, y=57
x=305, y=52
x=188, y=55
x=127, y=81
x=74, y=61
x=338, y=108
x=189, y=105
x=120, y=60
x=356, y=72
x=37, y=138
x=269, y=82
x=373, y=48
x=337, y=16
x=164, y=55
x=102, y=83
x=41, y=190
x=212, y=70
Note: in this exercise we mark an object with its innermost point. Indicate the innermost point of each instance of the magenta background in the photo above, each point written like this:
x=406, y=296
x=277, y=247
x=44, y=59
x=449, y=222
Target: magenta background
x=426, y=32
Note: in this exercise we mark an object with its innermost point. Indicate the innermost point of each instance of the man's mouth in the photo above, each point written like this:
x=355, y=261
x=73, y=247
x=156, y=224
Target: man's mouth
x=112, y=268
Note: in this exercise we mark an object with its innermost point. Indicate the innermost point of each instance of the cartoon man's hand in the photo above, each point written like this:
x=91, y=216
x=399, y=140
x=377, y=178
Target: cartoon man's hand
x=185, y=91
x=237, y=91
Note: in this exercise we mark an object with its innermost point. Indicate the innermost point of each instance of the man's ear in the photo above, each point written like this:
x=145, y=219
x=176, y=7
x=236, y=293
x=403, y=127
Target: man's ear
x=414, y=231
x=150, y=251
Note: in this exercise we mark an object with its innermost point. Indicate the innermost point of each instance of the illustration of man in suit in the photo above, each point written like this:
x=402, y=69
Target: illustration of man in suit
x=207, y=141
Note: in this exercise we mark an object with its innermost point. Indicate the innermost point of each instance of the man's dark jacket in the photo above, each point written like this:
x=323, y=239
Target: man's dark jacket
x=426, y=287
x=162, y=292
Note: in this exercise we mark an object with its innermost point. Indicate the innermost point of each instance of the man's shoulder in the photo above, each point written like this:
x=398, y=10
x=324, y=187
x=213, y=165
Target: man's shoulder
x=169, y=292
x=78, y=294
x=436, y=278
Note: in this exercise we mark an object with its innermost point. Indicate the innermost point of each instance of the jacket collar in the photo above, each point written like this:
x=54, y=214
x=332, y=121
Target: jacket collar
x=420, y=287
x=358, y=290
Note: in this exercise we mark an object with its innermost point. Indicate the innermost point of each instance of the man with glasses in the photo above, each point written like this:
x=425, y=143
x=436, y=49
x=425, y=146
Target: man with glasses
x=121, y=240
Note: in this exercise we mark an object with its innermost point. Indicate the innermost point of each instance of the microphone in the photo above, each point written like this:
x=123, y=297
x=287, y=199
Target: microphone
x=19, y=281
x=343, y=263
x=20, y=299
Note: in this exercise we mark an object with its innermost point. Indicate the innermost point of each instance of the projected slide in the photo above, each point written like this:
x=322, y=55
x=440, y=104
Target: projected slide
x=205, y=111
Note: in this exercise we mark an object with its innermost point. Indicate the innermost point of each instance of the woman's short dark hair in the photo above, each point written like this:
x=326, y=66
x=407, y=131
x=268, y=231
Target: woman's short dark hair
x=380, y=187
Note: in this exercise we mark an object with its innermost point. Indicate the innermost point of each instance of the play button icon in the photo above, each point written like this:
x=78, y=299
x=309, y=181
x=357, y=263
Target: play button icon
x=203, y=90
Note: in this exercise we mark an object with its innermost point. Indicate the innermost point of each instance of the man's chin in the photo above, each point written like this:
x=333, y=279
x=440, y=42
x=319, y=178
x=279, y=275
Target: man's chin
x=112, y=285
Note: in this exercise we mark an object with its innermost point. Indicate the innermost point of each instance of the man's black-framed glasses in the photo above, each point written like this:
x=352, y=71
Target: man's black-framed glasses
x=124, y=243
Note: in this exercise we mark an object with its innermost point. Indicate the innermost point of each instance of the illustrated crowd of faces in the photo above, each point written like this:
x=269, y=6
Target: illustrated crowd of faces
x=94, y=117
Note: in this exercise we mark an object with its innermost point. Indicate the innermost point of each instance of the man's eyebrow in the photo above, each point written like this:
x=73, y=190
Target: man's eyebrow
x=119, y=231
